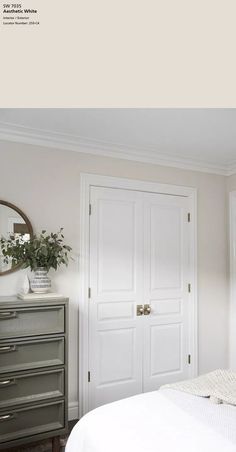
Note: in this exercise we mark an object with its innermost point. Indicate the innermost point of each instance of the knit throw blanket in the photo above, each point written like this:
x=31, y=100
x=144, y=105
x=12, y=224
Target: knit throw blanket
x=219, y=386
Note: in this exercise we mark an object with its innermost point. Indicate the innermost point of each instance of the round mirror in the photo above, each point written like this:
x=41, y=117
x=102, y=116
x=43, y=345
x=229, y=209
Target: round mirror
x=13, y=222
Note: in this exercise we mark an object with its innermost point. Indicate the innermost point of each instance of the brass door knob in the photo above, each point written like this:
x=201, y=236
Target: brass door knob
x=147, y=309
x=140, y=309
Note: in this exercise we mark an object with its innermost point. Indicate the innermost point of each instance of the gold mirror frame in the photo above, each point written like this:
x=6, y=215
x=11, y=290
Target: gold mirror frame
x=29, y=226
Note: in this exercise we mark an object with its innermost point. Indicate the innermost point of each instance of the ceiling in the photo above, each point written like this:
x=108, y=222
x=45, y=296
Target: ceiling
x=200, y=139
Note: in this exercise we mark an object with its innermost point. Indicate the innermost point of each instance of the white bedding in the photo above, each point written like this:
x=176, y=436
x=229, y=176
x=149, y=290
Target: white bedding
x=220, y=385
x=161, y=421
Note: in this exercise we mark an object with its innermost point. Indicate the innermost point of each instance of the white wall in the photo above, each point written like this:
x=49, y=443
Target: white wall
x=45, y=184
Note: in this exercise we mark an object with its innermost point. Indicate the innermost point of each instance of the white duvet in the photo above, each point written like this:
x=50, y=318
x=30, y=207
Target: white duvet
x=162, y=421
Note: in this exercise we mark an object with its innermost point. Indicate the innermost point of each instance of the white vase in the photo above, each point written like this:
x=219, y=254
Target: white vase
x=41, y=283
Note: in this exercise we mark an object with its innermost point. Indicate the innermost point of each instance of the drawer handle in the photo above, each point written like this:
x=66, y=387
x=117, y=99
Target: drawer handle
x=6, y=417
x=7, y=315
x=7, y=382
x=8, y=348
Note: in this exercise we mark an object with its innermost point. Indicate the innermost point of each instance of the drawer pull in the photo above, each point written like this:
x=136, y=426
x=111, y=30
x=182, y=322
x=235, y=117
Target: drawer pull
x=7, y=348
x=6, y=417
x=7, y=382
x=4, y=315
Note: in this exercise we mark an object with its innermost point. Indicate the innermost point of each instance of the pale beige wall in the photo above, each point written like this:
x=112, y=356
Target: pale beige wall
x=231, y=183
x=231, y=186
x=45, y=184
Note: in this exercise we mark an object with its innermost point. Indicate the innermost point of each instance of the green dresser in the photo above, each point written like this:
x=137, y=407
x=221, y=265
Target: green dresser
x=33, y=371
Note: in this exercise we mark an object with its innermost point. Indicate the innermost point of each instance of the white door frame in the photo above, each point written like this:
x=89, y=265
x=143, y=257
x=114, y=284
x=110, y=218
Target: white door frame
x=232, y=253
x=86, y=181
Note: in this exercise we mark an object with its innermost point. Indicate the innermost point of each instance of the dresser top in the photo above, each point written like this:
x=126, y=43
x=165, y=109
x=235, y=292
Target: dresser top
x=15, y=301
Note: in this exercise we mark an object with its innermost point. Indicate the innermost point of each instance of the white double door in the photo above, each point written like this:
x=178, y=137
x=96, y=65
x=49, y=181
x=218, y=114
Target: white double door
x=139, y=255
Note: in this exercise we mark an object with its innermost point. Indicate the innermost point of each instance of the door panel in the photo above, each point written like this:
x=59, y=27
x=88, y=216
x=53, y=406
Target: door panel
x=120, y=343
x=165, y=349
x=116, y=310
x=139, y=255
x=115, y=332
x=115, y=254
x=166, y=245
x=166, y=306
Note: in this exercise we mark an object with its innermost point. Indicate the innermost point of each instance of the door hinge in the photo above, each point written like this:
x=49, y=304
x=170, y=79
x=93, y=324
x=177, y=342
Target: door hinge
x=89, y=292
x=89, y=376
x=189, y=359
x=90, y=209
x=189, y=287
x=189, y=217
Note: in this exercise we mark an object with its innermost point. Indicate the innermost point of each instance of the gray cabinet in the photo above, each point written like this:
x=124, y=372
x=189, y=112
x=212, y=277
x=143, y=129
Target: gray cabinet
x=33, y=370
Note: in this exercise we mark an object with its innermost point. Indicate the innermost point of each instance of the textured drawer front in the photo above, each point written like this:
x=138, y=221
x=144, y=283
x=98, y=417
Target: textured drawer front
x=31, y=420
x=23, y=355
x=24, y=388
x=31, y=321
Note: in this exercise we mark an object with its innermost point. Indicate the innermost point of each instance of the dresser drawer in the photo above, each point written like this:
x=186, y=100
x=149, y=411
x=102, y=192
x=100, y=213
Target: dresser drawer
x=31, y=420
x=22, y=388
x=31, y=321
x=30, y=354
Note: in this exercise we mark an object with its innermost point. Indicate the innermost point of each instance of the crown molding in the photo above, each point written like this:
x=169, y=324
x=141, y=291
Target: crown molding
x=44, y=138
x=231, y=170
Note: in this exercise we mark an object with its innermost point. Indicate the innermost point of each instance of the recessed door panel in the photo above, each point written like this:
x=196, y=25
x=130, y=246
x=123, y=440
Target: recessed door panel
x=165, y=350
x=116, y=310
x=165, y=247
x=119, y=343
x=166, y=307
x=116, y=235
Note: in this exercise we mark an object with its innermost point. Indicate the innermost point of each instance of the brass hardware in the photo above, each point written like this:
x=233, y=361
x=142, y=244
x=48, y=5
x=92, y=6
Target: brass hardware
x=6, y=417
x=7, y=382
x=189, y=217
x=189, y=288
x=140, y=309
x=189, y=359
x=147, y=309
x=8, y=348
x=7, y=315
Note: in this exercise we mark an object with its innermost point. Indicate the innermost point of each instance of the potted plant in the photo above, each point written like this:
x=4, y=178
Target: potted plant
x=40, y=253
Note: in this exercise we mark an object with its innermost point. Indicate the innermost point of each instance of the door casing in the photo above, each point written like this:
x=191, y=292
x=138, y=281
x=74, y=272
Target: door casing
x=87, y=181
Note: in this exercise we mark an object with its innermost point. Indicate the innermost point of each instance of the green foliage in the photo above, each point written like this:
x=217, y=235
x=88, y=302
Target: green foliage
x=43, y=250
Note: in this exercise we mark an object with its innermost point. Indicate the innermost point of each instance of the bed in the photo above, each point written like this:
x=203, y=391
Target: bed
x=166, y=420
